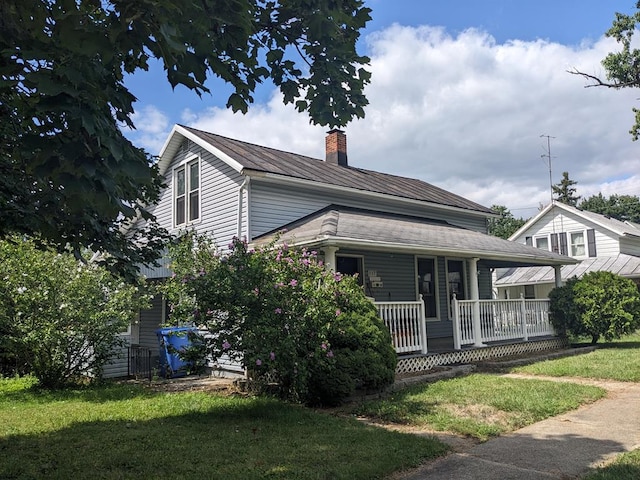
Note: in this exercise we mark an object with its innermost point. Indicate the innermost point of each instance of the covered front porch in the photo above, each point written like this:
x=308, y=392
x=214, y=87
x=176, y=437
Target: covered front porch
x=430, y=280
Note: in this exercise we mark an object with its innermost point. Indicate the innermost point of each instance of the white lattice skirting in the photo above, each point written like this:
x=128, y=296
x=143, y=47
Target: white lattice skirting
x=427, y=362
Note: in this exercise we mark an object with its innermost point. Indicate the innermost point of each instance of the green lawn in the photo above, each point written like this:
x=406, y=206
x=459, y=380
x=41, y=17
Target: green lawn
x=617, y=360
x=625, y=467
x=480, y=405
x=124, y=431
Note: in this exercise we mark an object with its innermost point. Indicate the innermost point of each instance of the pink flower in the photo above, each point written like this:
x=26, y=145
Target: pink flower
x=226, y=345
x=329, y=354
x=314, y=253
x=258, y=362
x=279, y=255
x=293, y=282
x=256, y=291
x=306, y=262
x=337, y=276
x=323, y=346
x=272, y=356
x=278, y=310
x=338, y=312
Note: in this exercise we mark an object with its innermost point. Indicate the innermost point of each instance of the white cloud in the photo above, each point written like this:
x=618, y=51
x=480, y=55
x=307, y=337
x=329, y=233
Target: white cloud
x=465, y=113
x=152, y=128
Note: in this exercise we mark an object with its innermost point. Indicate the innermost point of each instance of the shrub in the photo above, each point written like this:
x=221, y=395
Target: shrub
x=284, y=316
x=60, y=318
x=600, y=304
x=563, y=312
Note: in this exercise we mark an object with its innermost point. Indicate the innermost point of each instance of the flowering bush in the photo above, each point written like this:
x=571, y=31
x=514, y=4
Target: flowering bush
x=60, y=318
x=281, y=313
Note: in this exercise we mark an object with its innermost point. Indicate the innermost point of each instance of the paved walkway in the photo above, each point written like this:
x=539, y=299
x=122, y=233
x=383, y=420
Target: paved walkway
x=562, y=447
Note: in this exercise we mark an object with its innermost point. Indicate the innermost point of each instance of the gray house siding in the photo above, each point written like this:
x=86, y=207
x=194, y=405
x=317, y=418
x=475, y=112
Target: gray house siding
x=398, y=273
x=219, y=190
x=273, y=206
x=117, y=367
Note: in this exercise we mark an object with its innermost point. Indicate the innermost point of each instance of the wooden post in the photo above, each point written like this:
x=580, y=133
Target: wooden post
x=423, y=326
x=523, y=314
x=475, y=296
x=456, y=323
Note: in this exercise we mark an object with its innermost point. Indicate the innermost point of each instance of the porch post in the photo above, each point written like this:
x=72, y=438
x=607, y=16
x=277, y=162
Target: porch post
x=475, y=296
x=523, y=314
x=330, y=257
x=423, y=326
x=558, y=274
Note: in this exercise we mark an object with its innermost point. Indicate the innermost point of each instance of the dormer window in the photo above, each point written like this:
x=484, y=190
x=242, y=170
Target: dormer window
x=186, y=192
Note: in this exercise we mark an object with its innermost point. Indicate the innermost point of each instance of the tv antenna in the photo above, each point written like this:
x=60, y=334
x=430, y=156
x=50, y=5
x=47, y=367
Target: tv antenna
x=548, y=157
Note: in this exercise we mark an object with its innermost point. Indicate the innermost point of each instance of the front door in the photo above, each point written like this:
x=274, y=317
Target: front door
x=427, y=285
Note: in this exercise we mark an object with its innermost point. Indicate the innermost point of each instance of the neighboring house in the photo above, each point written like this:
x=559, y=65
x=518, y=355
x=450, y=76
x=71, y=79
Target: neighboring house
x=420, y=251
x=597, y=241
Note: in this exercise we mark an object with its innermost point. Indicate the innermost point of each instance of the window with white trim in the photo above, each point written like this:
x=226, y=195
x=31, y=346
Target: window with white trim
x=186, y=193
x=577, y=244
x=542, y=242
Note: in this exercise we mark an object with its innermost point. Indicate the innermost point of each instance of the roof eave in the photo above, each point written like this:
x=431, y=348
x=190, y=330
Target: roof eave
x=330, y=240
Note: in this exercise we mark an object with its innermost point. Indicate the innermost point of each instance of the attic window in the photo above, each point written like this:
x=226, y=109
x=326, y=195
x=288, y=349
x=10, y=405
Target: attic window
x=186, y=192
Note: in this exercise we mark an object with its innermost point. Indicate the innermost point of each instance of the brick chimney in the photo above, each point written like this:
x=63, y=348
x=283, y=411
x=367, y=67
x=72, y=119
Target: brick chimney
x=336, y=147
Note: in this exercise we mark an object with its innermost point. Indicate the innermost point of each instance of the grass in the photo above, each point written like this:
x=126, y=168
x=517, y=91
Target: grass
x=616, y=360
x=625, y=467
x=125, y=431
x=480, y=405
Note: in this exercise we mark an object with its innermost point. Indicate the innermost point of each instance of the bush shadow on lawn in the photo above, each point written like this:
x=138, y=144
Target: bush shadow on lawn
x=242, y=440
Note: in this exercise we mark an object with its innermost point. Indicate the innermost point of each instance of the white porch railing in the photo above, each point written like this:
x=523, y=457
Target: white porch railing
x=407, y=324
x=499, y=320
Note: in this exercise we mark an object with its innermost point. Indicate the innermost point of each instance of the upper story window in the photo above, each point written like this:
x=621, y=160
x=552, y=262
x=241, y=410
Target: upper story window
x=542, y=242
x=186, y=193
x=577, y=244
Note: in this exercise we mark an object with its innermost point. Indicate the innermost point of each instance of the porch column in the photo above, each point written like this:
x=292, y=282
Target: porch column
x=475, y=296
x=330, y=257
x=558, y=273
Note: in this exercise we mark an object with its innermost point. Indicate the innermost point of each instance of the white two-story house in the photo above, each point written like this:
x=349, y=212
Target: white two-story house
x=417, y=248
x=596, y=241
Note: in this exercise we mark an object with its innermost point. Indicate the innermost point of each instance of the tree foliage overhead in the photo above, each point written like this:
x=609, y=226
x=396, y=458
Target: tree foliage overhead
x=505, y=225
x=622, y=68
x=565, y=191
x=68, y=173
x=620, y=207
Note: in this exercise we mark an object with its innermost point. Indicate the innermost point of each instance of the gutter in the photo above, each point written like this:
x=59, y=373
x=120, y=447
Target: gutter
x=243, y=187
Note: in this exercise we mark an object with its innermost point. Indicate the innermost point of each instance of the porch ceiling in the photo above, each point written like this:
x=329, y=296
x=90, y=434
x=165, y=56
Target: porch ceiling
x=366, y=229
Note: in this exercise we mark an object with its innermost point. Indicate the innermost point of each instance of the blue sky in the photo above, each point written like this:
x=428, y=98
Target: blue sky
x=461, y=92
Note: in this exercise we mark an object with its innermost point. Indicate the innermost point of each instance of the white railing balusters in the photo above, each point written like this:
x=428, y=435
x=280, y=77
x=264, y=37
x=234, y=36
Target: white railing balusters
x=407, y=324
x=501, y=320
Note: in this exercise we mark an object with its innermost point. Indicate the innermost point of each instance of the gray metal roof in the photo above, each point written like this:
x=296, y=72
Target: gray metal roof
x=344, y=226
x=622, y=264
x=257, y=158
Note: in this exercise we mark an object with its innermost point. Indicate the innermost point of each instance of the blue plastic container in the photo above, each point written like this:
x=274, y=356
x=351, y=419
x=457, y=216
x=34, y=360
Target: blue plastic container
x=173, y=340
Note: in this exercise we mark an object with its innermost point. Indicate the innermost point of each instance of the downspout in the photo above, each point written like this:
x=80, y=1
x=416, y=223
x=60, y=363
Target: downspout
x=243, y=187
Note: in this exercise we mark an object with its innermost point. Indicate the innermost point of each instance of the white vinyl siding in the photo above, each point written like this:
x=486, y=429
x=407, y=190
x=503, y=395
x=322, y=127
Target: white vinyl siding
x=218, y=196
x=556, y=221
x=273, y=206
